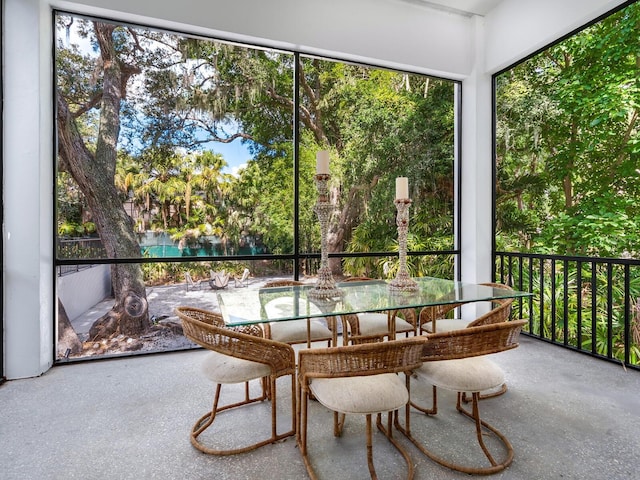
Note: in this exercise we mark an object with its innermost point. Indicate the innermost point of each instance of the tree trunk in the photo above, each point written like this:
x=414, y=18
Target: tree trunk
x=68, y=341
x=94, y=174
x=340, y=229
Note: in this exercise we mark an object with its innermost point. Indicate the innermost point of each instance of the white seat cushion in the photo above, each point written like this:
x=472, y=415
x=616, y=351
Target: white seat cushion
x=473, y=374
x=221, y=368
x=446, y=325
x=376, y=323
x=295, y=331
x=366, y=394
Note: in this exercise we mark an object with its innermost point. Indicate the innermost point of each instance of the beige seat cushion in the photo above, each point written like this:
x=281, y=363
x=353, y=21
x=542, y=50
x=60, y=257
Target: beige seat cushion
x=295, y=331
x=474, y=374
x=220, y=368
x=446, y=325
x=367, y=394
x=376, y=323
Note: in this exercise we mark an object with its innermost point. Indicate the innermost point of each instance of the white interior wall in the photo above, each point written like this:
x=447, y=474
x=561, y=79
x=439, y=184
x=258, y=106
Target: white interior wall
x=383, y=32
x=518, y=28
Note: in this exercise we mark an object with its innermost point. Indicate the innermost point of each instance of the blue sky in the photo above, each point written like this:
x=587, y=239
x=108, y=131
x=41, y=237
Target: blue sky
x=234, y=153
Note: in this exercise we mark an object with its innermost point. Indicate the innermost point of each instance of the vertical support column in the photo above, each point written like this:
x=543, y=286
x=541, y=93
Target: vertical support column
x=28, y=189
x=477, y=169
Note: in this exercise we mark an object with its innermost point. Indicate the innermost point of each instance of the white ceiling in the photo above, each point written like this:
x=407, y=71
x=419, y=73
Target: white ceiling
x=464, y=7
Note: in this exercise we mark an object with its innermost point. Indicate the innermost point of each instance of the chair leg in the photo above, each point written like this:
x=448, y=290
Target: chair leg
x=496, y=393
x=372, y=469
x=294, y=405
x=434, y=403
x=479, y=425
x=388, y=432
x=266, y=388
x=475, y=416
x=207, y=420
x=303, y=404
x=298, y=414
x=338, y=423
x=339, y=419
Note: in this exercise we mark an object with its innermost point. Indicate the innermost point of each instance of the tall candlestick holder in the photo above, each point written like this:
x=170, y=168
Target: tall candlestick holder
x=325, y=286
x=403, y=282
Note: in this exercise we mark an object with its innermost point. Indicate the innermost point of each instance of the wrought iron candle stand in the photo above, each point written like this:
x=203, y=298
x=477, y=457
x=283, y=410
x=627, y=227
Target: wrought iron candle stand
x=403, y=282
x=325, y=287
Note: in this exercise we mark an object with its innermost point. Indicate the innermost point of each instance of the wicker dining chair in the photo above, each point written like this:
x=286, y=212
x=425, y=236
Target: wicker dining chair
x=457, y=361
x=299, y=331
x=432, y=319
x=357, y=379
x=374, y=326
x=238, y=355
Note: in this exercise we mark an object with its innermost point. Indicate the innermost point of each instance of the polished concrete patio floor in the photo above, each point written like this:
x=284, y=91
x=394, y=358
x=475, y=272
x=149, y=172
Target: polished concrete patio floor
x=568, y=416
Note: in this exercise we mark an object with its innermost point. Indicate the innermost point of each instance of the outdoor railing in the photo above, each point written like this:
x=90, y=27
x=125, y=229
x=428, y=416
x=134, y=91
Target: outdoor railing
x=588, y=304
x=73, y=248
x=69, y=269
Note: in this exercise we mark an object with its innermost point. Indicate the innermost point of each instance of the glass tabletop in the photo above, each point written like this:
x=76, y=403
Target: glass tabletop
x=243, y=307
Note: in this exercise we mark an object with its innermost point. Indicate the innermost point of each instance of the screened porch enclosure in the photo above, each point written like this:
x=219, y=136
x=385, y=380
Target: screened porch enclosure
x=469, y=50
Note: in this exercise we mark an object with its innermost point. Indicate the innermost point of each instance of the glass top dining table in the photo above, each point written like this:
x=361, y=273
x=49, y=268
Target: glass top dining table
x=247, y=306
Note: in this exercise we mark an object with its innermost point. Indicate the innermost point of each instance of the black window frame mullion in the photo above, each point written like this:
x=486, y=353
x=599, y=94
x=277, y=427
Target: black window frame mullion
x=296, y=164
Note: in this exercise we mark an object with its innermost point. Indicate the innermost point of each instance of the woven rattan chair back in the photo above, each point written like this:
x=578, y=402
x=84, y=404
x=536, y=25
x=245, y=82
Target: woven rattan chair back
x=500, y=313
x=360, y=360
x=472, y=341
x=351, y=330
x=207, y=329
x=329, y=335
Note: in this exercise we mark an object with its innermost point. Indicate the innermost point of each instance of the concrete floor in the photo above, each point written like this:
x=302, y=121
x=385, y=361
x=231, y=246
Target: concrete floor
x=567, y=415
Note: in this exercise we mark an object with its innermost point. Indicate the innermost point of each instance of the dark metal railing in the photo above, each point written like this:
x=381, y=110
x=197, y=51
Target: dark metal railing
x=70, y=248
x=588, y=304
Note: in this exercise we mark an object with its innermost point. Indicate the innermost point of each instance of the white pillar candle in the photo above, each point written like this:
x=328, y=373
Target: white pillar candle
x=402, y=188
x=322, y=162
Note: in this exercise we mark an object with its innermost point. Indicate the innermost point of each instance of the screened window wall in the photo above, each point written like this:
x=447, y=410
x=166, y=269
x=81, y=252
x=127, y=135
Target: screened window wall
x=181, y=157
x=568, y=187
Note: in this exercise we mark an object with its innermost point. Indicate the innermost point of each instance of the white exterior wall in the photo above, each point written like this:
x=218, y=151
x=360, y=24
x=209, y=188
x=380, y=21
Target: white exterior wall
x=388, y=33
x=79, y=291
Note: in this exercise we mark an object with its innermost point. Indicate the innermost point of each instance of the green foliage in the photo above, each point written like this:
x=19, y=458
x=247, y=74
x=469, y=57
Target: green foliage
x=567, y=144
x=604, y=226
